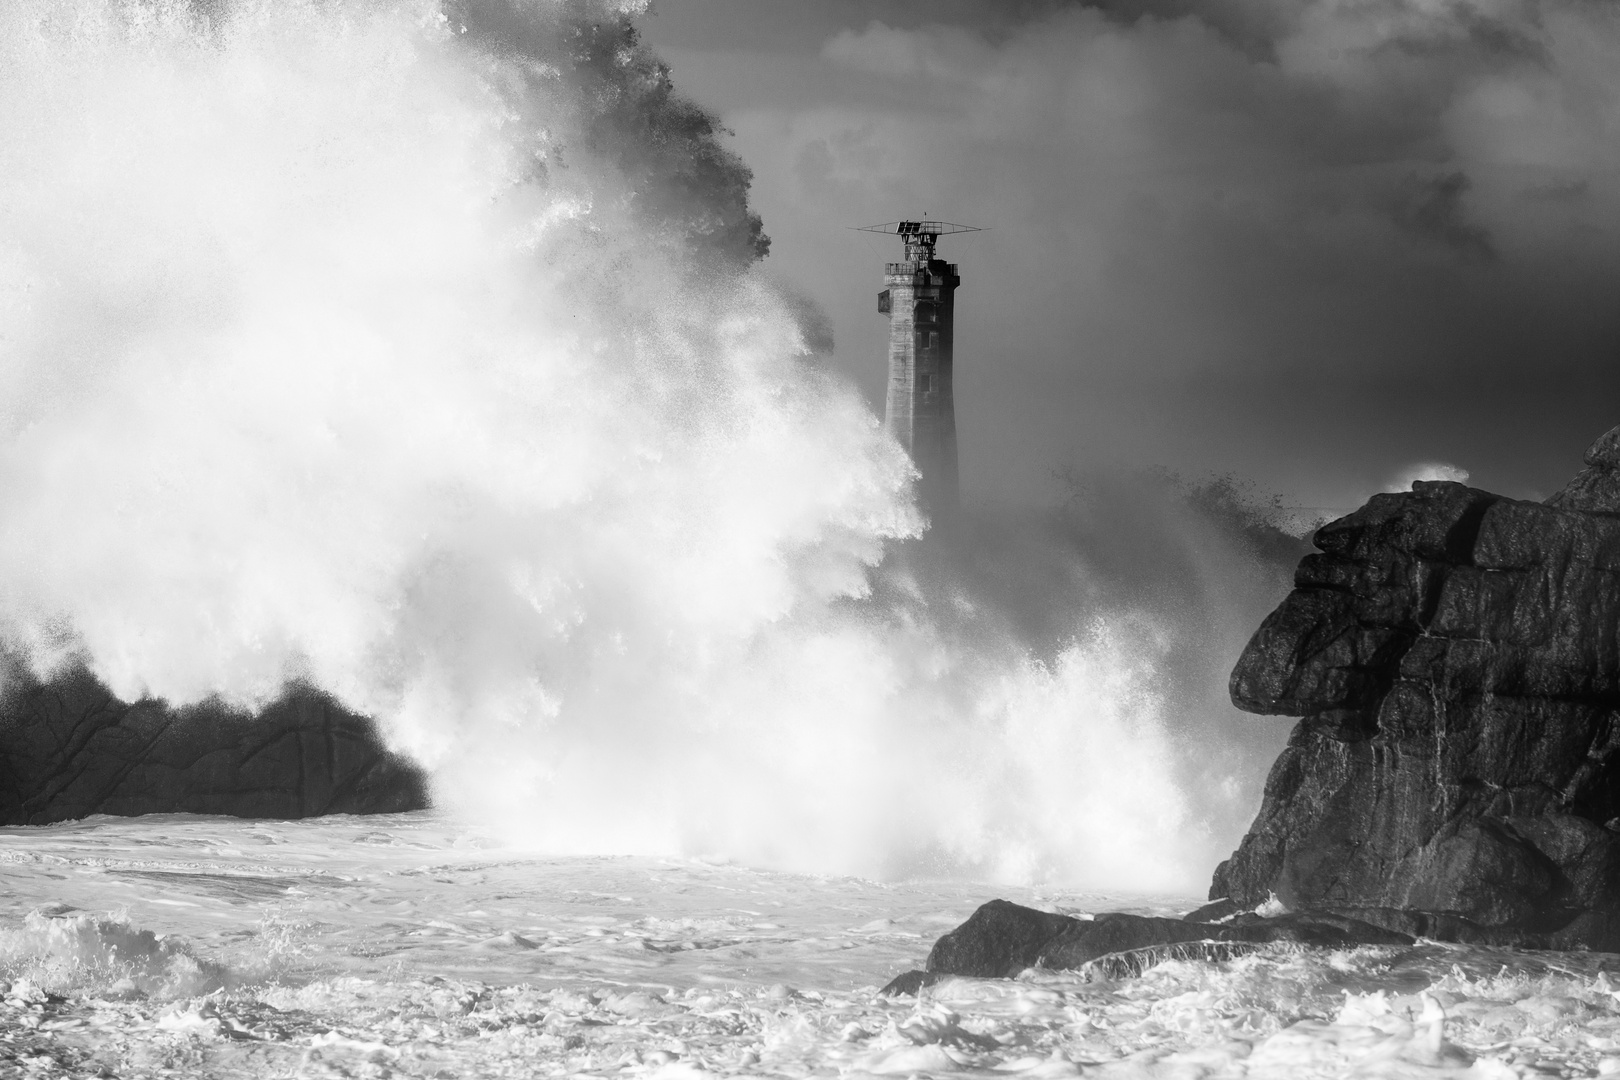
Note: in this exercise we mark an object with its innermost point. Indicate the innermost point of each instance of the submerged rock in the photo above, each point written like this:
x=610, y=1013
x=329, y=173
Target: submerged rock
x=69, y=748
x=1001, y=939
x=1085, y=940
x=1455, y=657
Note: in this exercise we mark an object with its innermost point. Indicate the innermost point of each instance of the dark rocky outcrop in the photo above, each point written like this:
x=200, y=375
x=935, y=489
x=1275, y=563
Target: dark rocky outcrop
x=68, y=749
x=998, y=941
x=1455, y=657
x=1001, y=939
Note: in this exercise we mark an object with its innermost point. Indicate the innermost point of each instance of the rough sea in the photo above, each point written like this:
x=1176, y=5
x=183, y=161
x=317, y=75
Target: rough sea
x=413, y=946
x=412, y=351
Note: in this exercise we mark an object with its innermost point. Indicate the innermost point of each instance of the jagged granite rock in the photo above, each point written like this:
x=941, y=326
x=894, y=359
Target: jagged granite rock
x=68, y=749
x=1596, y=487
x=1001, y=939
x=1455, y=657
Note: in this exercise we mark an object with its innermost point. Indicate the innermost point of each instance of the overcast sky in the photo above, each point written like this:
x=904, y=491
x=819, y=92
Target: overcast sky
x=1315, y=243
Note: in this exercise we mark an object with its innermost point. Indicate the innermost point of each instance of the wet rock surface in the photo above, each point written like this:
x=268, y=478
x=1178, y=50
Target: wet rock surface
x=69, y=748
x=998, y=941
x=1001, y=939
x=1455, y=657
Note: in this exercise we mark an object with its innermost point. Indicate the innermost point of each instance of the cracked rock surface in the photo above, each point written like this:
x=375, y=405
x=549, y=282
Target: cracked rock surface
x=1455, y=657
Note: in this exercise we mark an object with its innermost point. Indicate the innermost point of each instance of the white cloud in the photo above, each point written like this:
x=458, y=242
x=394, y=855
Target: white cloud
x=1428, y=470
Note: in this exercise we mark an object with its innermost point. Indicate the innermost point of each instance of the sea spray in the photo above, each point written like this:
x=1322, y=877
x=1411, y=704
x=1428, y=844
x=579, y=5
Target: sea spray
x=66, y=951
x=393, y=348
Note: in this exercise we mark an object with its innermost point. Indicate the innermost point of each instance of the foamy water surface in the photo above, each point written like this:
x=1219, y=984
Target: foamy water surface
x=410, y=946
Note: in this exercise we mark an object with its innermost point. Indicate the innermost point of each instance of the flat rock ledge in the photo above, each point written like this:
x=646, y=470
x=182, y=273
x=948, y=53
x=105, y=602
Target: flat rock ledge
x=1001, y=939
x=69, y=749
x=1455, y=658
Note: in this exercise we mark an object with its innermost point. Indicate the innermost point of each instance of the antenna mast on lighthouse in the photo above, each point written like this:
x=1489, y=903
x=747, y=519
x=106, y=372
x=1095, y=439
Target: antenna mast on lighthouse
x=919, y=409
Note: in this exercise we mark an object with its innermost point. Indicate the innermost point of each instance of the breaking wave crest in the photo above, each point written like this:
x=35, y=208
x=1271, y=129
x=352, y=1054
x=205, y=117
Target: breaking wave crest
x=61, y=951
x=412, y=350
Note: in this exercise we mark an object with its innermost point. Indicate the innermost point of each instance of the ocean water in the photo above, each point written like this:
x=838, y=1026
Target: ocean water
x=414, y=946
x=412, y=349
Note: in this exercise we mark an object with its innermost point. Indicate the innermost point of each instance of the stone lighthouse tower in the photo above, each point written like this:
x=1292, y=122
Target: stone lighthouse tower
x=919, y=409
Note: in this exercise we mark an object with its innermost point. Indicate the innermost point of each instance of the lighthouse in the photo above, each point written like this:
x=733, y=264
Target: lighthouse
x=919, y=407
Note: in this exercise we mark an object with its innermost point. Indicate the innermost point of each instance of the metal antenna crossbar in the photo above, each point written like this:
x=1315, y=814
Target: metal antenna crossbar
x=918, y=235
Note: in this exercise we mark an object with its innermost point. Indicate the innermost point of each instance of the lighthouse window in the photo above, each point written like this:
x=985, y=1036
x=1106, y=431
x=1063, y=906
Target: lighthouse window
x=925, y=382
x=927, y=313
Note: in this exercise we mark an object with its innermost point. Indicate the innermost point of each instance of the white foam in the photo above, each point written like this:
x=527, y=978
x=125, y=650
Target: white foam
x=320, y=364
x=403, y=954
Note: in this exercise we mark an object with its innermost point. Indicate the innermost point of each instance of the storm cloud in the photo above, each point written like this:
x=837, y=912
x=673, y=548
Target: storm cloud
x=1315, y=244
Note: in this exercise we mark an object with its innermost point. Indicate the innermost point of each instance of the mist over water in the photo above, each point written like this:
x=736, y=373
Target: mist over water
x=413, y=350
